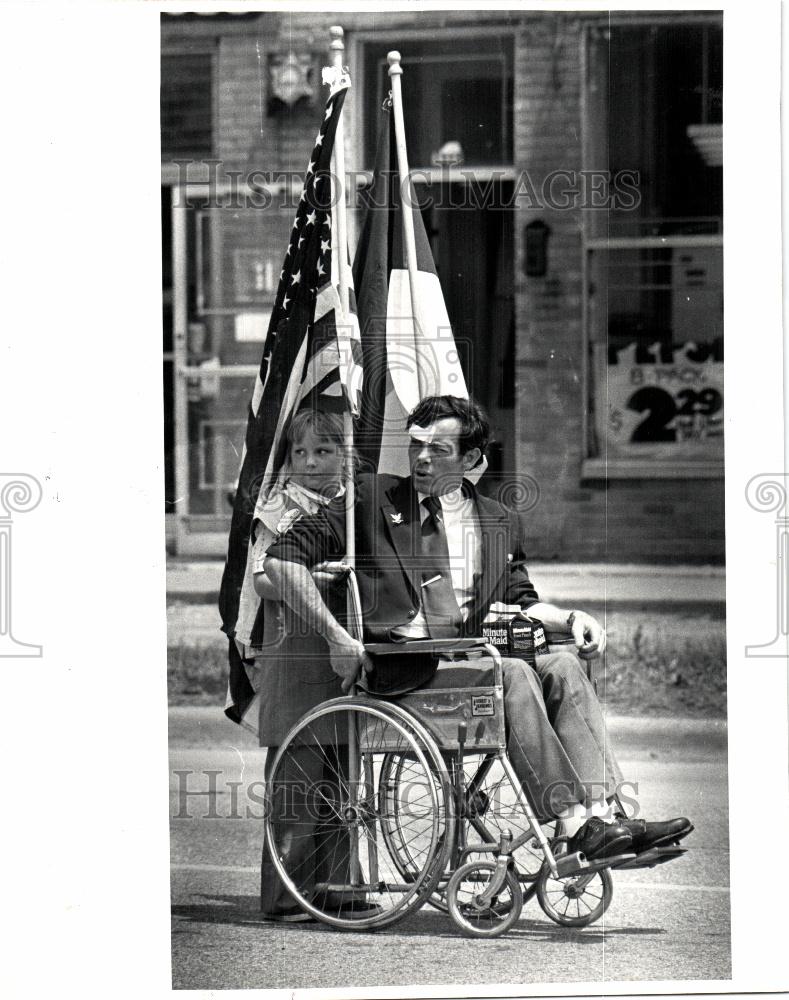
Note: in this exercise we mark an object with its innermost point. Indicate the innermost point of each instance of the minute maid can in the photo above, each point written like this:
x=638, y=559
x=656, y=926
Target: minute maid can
x=513, y=633
x=526, y=639
x=495, y=627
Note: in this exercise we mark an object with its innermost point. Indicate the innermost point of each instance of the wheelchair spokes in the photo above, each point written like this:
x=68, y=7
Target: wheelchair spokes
x=330, y=832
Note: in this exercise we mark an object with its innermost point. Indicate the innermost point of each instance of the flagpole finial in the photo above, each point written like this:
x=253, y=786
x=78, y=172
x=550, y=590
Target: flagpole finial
x=337, y=35
x=393, y=58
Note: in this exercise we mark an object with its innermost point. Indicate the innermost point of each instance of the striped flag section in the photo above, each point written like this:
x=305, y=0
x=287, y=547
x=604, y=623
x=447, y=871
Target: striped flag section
x=312, y=356
x=408, y=348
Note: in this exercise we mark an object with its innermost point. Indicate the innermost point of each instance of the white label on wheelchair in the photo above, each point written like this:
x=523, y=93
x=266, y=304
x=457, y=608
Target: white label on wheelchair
x=482, y=704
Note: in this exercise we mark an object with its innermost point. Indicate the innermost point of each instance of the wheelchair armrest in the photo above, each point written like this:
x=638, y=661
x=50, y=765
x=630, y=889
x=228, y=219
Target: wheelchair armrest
x=562, y=638
x=565, y=639
x=424, y=646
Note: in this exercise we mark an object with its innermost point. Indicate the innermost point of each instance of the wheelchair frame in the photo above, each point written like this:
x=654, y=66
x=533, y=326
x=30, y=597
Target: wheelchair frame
x=427, y=730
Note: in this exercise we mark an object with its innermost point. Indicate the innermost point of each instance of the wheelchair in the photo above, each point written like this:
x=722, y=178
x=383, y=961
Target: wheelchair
x=377, y=806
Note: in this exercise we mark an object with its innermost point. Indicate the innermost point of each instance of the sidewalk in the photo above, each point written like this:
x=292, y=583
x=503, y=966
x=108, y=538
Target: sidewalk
x=613, y=585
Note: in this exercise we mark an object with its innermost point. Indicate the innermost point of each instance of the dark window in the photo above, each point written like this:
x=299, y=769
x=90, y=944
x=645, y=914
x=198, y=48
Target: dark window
x=656, y=107
x=456, y=89
x=187, y=104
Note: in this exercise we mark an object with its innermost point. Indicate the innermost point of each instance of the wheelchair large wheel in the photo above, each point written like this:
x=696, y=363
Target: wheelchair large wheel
x=577, y=900
x=325, y=814
x=404, y=796
x=489, y=806
x=483, y=918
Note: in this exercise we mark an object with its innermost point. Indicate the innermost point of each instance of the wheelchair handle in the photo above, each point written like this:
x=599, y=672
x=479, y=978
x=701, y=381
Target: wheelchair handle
x=333, y=567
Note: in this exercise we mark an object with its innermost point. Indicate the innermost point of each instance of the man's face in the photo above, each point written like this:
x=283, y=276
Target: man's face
x=437, y=464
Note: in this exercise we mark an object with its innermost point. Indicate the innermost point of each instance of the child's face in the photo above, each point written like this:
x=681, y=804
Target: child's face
x=316, y=462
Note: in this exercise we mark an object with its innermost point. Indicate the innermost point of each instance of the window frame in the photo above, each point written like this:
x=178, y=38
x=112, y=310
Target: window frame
x=169, y=164
x=398, y=36
x=600, y=467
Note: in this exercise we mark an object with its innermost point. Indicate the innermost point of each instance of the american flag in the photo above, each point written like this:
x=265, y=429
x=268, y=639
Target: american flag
x=409, y=353
x=311, y=357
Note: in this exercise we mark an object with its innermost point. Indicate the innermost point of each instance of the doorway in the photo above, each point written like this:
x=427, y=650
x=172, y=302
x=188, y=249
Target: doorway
x=472, y=238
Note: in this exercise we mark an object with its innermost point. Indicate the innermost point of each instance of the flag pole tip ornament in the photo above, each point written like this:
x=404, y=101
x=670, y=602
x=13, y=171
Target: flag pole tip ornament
x=393, y=58
x=337, y=75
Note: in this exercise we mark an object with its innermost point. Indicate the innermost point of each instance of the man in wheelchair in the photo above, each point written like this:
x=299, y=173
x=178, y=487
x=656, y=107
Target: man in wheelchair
x=432, y=556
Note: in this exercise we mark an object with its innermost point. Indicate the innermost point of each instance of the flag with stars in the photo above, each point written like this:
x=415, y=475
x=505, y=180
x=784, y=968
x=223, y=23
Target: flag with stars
x=408, y=348
x=311, y=357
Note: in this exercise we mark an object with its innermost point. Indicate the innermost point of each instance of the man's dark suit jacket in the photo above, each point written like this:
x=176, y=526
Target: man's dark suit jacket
x=388, y=565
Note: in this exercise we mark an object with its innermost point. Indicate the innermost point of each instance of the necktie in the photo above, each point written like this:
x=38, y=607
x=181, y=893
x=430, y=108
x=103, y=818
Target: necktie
x=439, y=604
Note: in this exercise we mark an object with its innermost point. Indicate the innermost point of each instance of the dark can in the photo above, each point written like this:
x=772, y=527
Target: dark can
x=527, y=640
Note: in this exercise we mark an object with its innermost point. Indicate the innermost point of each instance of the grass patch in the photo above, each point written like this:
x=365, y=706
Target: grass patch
x=196, y=674
x=664, y=666
x=655, y=664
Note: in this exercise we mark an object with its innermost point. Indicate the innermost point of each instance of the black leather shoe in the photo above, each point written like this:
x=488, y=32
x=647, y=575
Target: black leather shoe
x=597, y=840
x=646, y=835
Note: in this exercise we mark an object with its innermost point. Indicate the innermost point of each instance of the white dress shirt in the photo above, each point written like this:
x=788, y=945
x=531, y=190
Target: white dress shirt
x=464, y=543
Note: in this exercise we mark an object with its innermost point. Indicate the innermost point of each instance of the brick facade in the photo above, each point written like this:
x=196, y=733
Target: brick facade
x=638, y=520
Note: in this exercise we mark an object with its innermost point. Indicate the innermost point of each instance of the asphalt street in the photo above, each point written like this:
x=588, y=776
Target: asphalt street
x=667, y=923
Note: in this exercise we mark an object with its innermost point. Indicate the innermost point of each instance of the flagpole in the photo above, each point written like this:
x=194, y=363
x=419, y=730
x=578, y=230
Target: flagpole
x=340, y=254
x=337, y=50
x=409, y=240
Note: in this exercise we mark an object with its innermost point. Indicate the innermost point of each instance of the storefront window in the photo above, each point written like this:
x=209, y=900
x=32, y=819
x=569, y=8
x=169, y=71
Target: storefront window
x=654, y=295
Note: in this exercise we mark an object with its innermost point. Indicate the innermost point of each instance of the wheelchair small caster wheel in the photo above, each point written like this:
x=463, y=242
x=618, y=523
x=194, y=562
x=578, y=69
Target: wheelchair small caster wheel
x=576, y=900
x=479, y=918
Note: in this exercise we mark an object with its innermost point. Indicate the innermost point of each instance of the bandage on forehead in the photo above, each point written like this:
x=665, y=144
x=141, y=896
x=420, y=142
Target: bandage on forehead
x=445, y=428
x=425, y=435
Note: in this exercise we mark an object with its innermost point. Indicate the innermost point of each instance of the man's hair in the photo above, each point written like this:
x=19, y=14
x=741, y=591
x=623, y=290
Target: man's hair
x=474, y=424
x=323, y=424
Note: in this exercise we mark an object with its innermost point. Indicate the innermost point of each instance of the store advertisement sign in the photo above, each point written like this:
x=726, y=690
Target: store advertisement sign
x=658, y=409
x=251, y=327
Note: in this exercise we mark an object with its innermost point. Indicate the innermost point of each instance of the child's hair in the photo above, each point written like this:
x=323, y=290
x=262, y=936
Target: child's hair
x=322, y=424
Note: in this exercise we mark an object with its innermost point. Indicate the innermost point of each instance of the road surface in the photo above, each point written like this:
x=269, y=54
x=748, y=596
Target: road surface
x=668, y=923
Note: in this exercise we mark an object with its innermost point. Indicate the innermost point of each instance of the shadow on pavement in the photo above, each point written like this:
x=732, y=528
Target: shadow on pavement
x=243, y=911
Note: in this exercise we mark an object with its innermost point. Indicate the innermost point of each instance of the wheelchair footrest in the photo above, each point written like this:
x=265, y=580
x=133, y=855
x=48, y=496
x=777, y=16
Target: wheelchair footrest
x=654, y=856
x=571, y=864
x=590, y=867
